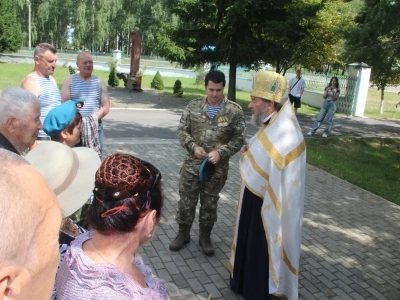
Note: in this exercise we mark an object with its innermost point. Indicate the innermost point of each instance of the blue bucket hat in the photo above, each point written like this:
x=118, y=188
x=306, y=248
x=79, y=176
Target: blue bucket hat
x=206, y=170
x=60, y=116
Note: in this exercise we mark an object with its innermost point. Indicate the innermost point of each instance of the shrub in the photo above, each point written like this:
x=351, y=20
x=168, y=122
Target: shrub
x=178, y=90
x=157, y=82
x=113, y=79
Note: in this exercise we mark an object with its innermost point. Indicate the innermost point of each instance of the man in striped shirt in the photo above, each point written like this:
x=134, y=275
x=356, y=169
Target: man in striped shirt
x=88, y=87
x=41, y=83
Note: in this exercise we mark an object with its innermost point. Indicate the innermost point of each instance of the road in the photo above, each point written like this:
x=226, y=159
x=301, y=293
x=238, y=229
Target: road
x=146, y=125
x=125, y=124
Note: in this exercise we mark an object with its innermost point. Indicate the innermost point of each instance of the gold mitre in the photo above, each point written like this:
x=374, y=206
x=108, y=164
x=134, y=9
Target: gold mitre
x=269, y=85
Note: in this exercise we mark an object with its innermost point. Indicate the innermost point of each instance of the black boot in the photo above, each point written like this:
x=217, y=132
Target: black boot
x=181, y=239
x=205, y=241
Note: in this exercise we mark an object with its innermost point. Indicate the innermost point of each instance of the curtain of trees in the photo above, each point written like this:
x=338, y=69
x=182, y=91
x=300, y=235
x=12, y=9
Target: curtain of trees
x=96, y=25
x=10, y=31
x=375, y=41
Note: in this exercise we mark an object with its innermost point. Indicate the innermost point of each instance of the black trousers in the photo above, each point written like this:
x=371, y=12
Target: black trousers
x=251, y=266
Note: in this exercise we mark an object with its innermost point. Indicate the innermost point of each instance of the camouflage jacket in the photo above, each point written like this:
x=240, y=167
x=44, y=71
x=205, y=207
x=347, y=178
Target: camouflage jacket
x=224, y=133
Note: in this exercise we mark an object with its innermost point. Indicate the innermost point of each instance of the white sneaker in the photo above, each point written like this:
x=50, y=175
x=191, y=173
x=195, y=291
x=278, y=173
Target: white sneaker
x=309, y=133
x=324, y=135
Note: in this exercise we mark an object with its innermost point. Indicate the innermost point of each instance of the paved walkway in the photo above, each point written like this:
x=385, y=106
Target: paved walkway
x=351, y=245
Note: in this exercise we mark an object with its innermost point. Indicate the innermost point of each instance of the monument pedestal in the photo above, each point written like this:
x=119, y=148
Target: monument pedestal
x=135, y=83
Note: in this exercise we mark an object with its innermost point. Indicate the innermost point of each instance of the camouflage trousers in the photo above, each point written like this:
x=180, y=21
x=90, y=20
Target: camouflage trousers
x=190, y=188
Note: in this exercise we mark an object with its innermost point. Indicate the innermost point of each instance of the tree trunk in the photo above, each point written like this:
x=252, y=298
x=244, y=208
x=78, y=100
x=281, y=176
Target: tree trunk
x=232, y=81
x=382, y=100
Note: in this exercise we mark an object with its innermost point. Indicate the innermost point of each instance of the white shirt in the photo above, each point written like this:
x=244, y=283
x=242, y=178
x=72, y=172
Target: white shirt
x=296, y=88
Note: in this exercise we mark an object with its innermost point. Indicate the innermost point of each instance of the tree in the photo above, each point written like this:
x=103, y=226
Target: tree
x=113, y=80
x=321, y=48
x=234, y=32
x=178, y=90
x=10, y=29
x=157, y=82
x=375, y=41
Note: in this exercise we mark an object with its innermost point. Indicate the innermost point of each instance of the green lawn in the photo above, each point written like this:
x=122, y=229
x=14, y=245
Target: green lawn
x=389, y=107
x=370, y=163
x=13, y=74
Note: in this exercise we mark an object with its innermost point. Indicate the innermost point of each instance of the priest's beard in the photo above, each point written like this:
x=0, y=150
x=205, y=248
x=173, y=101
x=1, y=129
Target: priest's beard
x=258, y=119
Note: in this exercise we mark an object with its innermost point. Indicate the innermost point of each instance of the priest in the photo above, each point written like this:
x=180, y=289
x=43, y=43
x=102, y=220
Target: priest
x=265, y=252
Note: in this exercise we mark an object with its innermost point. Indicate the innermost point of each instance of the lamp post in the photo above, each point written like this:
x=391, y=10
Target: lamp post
x=29, y=25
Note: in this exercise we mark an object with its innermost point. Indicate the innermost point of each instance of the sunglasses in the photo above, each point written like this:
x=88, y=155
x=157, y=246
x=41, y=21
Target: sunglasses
x=155, y=177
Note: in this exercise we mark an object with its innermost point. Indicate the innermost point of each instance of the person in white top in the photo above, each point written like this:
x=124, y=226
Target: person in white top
x=296, y=89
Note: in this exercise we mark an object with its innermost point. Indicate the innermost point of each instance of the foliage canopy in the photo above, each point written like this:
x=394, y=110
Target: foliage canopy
x=375, y=41
x=246, y=33
x=10, y=29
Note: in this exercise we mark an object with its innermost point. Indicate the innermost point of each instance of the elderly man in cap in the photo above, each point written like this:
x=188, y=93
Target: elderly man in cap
x=210, y=128
x=19, y=119
x=29, y=228
x=266, y=246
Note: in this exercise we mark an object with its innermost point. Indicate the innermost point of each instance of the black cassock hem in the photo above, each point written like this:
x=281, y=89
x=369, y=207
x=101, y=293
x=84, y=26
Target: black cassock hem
x=251, y=266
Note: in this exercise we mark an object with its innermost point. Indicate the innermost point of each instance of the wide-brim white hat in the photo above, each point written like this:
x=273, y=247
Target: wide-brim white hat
x=69, y=172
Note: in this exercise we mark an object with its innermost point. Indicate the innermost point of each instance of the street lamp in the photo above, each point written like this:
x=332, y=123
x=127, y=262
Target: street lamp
x=29, y=26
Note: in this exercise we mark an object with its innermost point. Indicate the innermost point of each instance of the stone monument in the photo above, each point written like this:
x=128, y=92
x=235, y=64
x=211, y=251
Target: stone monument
x=135, y=78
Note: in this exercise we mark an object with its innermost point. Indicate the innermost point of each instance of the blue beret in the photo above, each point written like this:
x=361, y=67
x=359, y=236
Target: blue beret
x=206, y=170
x=60, y=116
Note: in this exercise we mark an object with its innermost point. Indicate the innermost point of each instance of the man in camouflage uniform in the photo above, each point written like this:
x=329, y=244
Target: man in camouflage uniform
x=211, y=127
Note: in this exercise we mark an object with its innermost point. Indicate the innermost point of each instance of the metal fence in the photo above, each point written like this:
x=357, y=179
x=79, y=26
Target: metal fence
x=346, y=103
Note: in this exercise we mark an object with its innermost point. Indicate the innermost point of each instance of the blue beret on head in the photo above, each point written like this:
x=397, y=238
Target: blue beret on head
x=59, y=117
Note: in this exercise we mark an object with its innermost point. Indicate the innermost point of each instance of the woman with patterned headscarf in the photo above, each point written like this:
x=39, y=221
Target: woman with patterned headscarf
x=125, y=212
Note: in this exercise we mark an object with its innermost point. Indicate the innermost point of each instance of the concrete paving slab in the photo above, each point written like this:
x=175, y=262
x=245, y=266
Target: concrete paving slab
x=351, y=245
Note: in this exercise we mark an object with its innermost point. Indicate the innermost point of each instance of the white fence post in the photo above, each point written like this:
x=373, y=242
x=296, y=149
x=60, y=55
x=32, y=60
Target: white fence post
x=117, y=57
x=363, y=72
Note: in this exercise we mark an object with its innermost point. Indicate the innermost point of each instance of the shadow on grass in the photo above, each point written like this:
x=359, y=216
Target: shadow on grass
x=370, y=163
